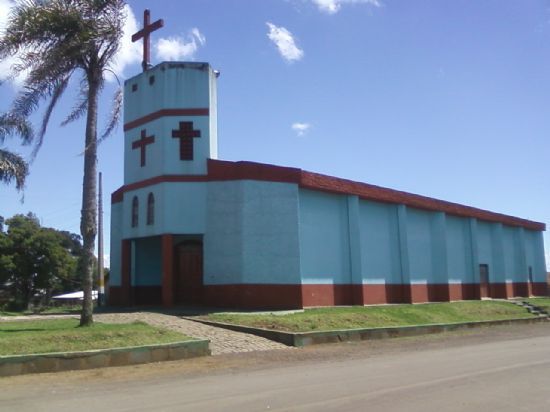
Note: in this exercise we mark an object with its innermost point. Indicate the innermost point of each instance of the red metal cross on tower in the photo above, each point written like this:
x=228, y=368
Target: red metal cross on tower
x=142, y=143
x=145, y=34
x=186, y=134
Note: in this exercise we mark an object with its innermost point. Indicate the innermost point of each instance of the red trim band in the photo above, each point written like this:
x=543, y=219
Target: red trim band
x=221, y=170
x=287, y=296
x=164, y=113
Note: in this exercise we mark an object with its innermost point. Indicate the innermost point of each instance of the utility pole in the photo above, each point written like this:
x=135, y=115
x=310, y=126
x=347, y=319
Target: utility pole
x=101, y=291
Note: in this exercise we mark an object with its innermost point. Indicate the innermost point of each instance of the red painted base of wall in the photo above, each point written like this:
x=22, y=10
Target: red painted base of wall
x=253, y=296
x=138, y=295
x=273, y=296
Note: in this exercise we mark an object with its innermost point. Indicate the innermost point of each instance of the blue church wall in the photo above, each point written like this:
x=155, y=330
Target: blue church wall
x=184, y=207
x=485, y=249
x=534, y=248
x=271, y=246
x=497, y=239
x=116, y=238
x=514, y=270
x=420, y=246
x=146, y=267
x=459, y=250
x=252, y=233
x=179, y=208
x=223, y=236
x=213, y=116
x=324, y=238
x=379, y=243
x=162, y=156
x=166, y=88
x=173, y=87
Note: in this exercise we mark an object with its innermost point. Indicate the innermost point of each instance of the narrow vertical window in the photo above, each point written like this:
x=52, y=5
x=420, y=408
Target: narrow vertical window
x=530, y=274
x=151, y=209
x=135, y=211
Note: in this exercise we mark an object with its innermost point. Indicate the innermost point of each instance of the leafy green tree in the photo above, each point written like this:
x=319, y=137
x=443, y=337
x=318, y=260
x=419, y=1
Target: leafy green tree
x=34, y=260
x=54, y=40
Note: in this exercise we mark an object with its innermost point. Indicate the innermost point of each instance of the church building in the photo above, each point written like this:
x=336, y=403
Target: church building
x=187, y=228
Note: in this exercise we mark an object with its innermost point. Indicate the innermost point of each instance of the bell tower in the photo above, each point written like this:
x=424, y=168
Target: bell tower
x=170, y=121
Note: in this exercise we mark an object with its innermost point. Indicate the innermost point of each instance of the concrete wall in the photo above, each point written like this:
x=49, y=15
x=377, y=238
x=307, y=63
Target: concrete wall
x=380, y=257
x=147, y=262
x=179, y=208
x=460, y=266
x=324, y=238
x=534, y=247
x=116, y=238
x=252, y=233
x=402, y=245
x=420, y=246
x=485, y=249
x=514, y=267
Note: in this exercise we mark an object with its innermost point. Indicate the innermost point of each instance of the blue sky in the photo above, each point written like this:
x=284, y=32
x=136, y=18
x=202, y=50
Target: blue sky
x=448, y=99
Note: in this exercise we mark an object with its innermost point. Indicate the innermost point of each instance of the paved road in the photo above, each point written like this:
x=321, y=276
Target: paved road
x=496, y=369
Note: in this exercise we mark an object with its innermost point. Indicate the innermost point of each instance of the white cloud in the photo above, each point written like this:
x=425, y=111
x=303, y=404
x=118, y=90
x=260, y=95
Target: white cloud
x=301, y=128
x=128, y=53
x=284, y=40
x=178, y=48
x=333, y=6
x=171, y=48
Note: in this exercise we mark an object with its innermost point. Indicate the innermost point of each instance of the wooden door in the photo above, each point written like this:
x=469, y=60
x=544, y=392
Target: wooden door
x=188, y=272
x=484, y=291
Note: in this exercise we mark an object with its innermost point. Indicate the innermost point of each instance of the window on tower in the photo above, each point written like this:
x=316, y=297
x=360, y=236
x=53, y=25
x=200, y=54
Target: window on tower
x=135, y=211
x=151, y=209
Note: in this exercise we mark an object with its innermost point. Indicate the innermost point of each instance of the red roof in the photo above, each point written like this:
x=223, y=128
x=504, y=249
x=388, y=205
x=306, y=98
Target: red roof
x=220, y=170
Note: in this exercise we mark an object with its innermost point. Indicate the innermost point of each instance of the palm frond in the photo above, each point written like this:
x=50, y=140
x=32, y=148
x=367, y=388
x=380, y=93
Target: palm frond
x=114, y=117
x=13, y=167
x=77, y=112
x=11, y=124
x=58, y=90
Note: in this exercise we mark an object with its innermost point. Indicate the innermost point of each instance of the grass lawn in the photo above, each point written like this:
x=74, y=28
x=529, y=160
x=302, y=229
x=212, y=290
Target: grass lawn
x=6, y=313
x=377, y=316
x=50, y=310
x=543, y=303
x=64, y=335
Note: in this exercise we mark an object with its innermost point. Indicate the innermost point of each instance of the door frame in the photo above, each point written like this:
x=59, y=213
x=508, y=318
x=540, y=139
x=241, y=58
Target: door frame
x=484, y=281
x=179, y=278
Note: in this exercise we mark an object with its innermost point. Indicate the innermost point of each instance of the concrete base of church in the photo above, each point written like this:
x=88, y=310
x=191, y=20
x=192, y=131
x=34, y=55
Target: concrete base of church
x=274, y=296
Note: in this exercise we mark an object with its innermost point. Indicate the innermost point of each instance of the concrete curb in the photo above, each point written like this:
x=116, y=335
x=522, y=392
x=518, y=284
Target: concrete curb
x=333, y=336
x=65, y=361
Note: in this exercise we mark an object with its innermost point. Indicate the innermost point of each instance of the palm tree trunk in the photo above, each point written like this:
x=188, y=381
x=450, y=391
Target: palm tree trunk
x=88, y=220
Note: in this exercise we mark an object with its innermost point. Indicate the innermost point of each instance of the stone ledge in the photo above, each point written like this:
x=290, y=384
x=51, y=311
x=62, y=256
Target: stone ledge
x=101, y=358
x=334, y=336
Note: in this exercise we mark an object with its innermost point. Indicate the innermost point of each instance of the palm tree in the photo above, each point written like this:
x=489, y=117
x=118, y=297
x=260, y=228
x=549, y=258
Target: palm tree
x=13, y=166
x=54, y=40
